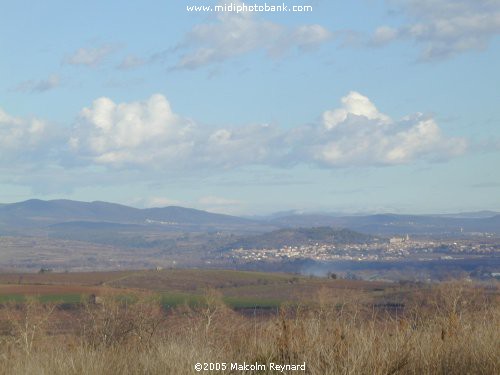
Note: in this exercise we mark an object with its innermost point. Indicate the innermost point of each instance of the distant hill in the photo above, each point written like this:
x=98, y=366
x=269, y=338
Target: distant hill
x=101, y=226
x=471, y=215
x=36, y=213
x=39, y=212
x=301, y=236
x=393, y=224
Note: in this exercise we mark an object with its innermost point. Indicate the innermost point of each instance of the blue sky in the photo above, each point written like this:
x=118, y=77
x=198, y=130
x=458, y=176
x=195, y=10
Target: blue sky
x=361, y=106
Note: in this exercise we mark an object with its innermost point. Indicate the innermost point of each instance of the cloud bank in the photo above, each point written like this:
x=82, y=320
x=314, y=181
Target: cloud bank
x=112, y=143
x=148, y=134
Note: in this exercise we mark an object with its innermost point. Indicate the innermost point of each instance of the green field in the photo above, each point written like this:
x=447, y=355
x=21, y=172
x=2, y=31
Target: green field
x=177, y=287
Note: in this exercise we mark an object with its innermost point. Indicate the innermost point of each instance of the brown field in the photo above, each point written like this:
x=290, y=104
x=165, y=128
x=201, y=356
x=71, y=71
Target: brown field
x=50, y=289
x=233, y=284
x=334, y=326
x=79, y=278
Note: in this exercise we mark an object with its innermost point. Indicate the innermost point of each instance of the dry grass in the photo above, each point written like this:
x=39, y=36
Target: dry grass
x=450, y=329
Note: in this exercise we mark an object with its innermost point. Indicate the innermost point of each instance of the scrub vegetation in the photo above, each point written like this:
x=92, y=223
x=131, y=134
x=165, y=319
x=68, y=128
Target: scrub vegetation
x=447, y=328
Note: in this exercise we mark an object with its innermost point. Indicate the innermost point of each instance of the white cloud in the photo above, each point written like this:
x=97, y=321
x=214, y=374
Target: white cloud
x=444, y=28
x=27, y=145
x=235, y=34
x=91, y=56
x=17, y=133
x=353, y=104
x=34, y=86
x=150, y=135
x=132, y=133
x=358, y=134
x=114, y=143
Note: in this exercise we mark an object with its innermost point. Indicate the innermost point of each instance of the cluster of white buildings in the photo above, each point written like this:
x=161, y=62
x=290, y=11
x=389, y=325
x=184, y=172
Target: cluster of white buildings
x=395, y=248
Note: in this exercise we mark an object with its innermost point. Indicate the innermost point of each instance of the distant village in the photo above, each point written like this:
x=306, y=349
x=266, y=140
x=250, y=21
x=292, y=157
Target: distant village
x=394, y=249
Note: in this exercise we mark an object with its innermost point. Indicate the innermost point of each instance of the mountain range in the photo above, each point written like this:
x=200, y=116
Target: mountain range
x=39, y=213
x=31, y=215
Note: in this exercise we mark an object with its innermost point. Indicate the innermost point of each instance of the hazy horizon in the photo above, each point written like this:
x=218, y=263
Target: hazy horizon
x=304, y=211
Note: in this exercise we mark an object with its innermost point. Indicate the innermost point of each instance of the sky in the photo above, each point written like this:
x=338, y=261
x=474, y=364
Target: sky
x=358, y=106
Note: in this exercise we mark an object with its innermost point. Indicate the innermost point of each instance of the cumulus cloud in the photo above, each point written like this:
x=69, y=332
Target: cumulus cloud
x=234, y=34
x=34, y=86
x=132, y=133
x=149, y=134
x=353, y=104
x=91, y=56
x=359, y=134
x=444, y=28
x=24, y=139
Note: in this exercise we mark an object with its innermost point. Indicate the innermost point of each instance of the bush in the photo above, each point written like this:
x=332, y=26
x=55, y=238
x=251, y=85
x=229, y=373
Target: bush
x=110, y=321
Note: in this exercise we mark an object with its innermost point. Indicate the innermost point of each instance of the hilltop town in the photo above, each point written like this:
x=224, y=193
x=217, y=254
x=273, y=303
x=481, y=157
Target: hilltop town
x=396, y=248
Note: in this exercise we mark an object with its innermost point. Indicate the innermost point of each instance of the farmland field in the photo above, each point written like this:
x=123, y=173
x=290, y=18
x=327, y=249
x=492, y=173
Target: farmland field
x=176, y=286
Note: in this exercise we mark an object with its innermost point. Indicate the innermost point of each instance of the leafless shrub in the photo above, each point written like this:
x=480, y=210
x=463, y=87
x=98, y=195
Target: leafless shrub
x=25, y=324
x=114, y=321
